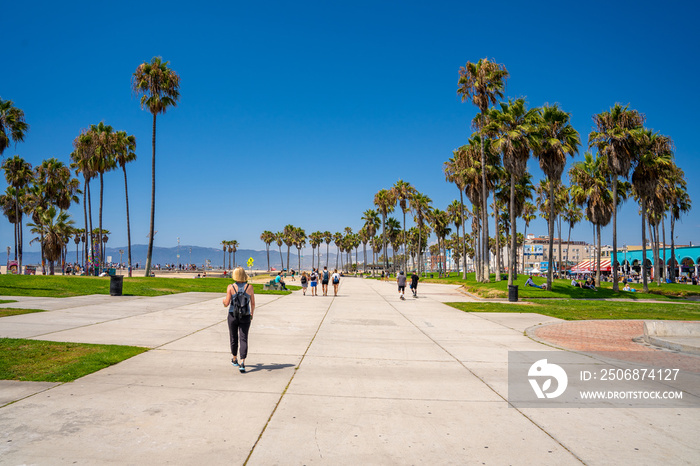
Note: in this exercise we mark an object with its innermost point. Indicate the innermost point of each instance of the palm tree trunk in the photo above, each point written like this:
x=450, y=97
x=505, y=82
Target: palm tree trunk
x=673, y=252
x=102, y=252
x=513, y=240
x=149, y=256
x=281, y=258
x=524, y=236
x=128, y=224
x=464, y=236
x=405, y=257
x=223, y=264
x=568, y=246
x=326, y=255
x=559, y=234
x=386, y=255
x=364, y=248
x=551, y=236
x=497, y=240
x=267, y=249
x=653, y=252
x=597, y=273
x=18, y=219
x=663, y=229
x=418, y=252
x=644, y=247
x=615, y=286
x=299, y=257
x=484, y=213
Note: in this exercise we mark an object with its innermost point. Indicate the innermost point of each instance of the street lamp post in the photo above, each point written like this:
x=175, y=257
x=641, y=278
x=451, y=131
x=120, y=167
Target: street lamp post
x=178, y=253
x=121, y=252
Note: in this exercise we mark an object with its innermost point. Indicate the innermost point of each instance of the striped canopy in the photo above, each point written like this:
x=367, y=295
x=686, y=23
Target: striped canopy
x=590, y=266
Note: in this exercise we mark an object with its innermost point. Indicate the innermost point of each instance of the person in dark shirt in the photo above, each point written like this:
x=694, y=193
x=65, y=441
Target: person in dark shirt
x=414, y=283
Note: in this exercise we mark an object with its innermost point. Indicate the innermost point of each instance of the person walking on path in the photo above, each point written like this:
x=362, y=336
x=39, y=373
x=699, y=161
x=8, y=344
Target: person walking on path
x=414, y=283
x=240, y=299
x=401, y=280
x=304, y=282
x=336, y=281
x=324, y=281
x=314, y=281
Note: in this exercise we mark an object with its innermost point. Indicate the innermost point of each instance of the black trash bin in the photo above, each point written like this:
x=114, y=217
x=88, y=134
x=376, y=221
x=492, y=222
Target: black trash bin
x=116, y=283
x=513, y=293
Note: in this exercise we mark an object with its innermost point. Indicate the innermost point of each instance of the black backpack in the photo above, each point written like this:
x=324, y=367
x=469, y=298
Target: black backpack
x=240, y=303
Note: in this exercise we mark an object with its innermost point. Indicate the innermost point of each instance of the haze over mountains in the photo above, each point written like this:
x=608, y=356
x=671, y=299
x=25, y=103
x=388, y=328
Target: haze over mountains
x=199, y=255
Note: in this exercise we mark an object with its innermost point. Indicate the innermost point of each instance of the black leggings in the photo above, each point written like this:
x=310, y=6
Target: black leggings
x=238, y=330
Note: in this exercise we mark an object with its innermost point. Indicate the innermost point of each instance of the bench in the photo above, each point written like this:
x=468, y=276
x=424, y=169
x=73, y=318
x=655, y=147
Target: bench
x=271, y=285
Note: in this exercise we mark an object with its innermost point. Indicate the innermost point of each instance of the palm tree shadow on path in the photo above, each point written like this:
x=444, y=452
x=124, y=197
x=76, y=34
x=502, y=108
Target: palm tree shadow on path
x=266, y=367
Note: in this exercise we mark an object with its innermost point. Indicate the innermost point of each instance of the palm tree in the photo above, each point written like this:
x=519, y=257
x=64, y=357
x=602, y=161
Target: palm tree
x=440, y=221
x=337, y=240
x=12, y=125
x=315, y=240
x=556, y=140
x=82, y=163
x=125, y=145
x=288, y=233
x=224, y=245
x=654, y=157
x=327, y=237
x=402, y=192
x=512, y=126
x=279, y=239
x=385, y=202
x=233, y=247
x=364, y=237
x=267, y=237
x=420, y=204
x=527, y=215
x=159, y=87
x=393, y=227
x=455, y=173
x=19, y=175
x=590, y=181
x=680, y=204
x=299, y=242
x=572, y=215
x=483, y=83
x=104, y=140
x=371, y=219
x=457, y=216
x=54, y=230
x=613, y=136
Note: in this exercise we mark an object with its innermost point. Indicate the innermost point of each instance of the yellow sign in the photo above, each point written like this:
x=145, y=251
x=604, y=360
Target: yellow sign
x=250, y=262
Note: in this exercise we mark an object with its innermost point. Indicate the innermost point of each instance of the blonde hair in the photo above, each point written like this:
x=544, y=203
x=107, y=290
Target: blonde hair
x=239, y=275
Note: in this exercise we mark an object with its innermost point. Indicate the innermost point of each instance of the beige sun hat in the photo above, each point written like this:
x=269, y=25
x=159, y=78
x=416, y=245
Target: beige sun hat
x=239, y=275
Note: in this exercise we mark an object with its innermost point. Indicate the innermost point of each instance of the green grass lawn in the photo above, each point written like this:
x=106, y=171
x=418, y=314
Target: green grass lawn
x=60, y=286
x=562, y=289
x=11, y=311
x=49, y=361
x=572, y=309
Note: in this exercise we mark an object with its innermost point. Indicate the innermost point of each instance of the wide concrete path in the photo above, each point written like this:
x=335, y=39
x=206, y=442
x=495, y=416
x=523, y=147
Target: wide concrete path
x=363, y=378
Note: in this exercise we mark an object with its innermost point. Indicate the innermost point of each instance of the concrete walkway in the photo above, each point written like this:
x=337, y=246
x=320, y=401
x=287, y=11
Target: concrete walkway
x=363, y=378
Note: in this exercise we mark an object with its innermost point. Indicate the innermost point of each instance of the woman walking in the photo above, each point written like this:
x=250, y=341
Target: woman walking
x=336, y=281
x=240, y=299
x=314, y=281
x=304, y=282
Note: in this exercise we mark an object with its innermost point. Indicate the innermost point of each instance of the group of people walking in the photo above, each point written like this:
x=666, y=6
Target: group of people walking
x=312, y=279
x=240, y=300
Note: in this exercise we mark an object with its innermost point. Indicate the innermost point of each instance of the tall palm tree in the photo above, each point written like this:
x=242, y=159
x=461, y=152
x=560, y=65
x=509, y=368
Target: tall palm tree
x=19, y=175
x=12, y=125
x=654, y=157
x=420, y=204
x=337, y=240
x=556, y=140
x=233, y=247
x=512, y=127
x=371, y=219
x=455, y=169
x=103, y=161
x=224, y=245
x=81, y=158
x=279, y=239
x=267, y=237
x=159, y=88
x=299, y=242
x=680, y=204
x=125, y=145
x=402, y=192
x=440, y=220
x=315, y=240
x=590, y=180
x=363, y=237
x=385, y=202
x=327, y=237
x=613, y=136
x=288, y=239
x=483, y=83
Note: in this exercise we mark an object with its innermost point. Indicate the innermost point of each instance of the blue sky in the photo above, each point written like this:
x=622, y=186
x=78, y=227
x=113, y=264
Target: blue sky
x=299, y=112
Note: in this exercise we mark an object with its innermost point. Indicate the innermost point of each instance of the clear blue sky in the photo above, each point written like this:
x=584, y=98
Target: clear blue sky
x=299, y=112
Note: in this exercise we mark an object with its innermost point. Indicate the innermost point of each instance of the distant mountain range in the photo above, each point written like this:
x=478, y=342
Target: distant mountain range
x=199, y=256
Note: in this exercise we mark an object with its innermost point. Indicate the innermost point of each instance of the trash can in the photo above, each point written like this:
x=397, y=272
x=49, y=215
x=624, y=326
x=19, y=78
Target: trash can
x=116, y=283
x=513, y=293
